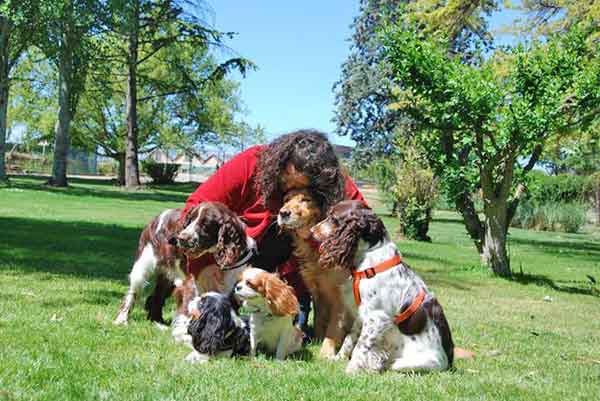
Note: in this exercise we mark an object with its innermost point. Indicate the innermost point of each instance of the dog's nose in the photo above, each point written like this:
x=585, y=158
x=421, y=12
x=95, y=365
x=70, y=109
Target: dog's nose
x=183, y=239
x=285, y=213
x=173, y=241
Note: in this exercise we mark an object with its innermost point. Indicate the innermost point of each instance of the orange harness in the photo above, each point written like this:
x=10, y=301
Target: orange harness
x=371, y=272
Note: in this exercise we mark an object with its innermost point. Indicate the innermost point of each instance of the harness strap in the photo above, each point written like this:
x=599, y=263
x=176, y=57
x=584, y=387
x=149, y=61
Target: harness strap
x=371, y=272
x=408, y=312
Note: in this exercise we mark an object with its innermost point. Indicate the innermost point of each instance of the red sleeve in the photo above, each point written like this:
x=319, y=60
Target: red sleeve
x=352, y=191
x=230, y=184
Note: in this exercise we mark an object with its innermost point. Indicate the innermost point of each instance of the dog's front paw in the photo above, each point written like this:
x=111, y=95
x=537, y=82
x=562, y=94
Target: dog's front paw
x=353, y=368
x=121, y=320
x=196, y=357
x=327, y=349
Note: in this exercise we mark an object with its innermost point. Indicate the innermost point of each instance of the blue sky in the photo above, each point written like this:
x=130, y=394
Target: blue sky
x=299, y=48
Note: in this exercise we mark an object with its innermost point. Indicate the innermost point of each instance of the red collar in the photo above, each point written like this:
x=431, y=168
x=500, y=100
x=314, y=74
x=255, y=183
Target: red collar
x=381, y=267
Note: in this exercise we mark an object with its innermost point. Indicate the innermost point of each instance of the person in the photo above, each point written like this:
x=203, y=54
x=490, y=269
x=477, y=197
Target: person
x=252, y=184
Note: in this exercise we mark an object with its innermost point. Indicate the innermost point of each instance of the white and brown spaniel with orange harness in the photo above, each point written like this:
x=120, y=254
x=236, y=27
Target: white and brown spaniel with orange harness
x=399, y=323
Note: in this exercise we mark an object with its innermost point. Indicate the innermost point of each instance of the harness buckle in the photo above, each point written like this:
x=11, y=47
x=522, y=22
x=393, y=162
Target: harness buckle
x=370, y=272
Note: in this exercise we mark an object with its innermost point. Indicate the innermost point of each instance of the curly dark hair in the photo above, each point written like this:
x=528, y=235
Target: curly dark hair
x=311, y=154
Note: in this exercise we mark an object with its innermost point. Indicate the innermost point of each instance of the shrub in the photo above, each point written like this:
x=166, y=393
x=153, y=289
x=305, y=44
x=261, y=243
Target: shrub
x=551, y=216
x=161, y=173
x=544, y=188
x=415, y=193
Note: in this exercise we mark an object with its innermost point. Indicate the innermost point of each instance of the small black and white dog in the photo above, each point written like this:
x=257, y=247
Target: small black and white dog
x=216, y=329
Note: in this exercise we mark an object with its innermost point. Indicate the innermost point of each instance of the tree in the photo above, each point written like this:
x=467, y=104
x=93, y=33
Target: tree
x=145, y=28
x=65, y=38
x=17, y=24
x=179, y=121
x=364, y=92
x=484, y=126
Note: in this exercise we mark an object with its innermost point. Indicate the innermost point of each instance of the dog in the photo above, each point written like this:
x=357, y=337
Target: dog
x=215, y=328
x=272, y=306
x=299, y=213
x=156, y=259
x=211, y=227
x=399, y=324
x=166, y=244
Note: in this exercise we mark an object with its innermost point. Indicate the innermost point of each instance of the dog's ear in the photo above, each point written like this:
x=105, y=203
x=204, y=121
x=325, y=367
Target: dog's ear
x=210, y=328
x=231, y=242
x=339, y=249
x=371, y=227
x=280, y=297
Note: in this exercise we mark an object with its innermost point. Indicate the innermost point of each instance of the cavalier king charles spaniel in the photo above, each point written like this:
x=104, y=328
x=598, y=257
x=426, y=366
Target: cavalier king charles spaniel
x=399, y=324
x=272, y=306
x=215, y=329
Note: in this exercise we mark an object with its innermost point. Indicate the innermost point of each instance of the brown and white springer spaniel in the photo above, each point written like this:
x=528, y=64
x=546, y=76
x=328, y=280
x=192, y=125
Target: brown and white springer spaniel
x=399, y=324
x=167, y=242
x=299, y=213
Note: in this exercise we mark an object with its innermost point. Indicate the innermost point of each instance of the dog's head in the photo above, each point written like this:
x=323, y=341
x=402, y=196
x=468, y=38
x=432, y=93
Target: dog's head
x=215, y=327
x=259, y=287
x=347, y=223
x=212, y=227
x=300, y=210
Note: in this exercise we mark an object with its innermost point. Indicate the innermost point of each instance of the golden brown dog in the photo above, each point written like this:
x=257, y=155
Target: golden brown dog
x=299, y=213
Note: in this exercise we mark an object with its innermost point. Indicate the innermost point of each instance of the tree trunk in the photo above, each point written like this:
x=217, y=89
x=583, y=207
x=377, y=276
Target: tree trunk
x=121, y=172
x=132, y=174
x=494, y=241
x=465, y=206
x=4, y=87
x=61, y=138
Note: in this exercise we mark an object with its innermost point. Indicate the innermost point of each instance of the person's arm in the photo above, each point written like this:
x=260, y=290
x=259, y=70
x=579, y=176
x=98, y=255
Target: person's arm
x=230, y=184
x=352, y=191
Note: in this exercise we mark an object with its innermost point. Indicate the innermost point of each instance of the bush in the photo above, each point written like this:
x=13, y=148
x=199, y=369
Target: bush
x=544, y=188
x=161, y=173
x=416, y=194
x=550, y=216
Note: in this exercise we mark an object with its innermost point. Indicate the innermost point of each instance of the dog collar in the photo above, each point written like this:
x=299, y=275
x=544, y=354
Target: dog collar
x=249, y=254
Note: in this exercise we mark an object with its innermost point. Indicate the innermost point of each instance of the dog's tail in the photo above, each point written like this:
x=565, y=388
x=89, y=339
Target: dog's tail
x=461, y=353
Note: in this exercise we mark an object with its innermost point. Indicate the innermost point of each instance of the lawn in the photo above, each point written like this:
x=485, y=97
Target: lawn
x=64, y=260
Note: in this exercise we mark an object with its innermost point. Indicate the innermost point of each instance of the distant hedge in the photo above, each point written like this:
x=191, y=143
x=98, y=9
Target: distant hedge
x=544, y=188
x=161, y=173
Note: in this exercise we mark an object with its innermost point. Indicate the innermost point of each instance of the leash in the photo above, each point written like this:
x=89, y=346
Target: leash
x=380, y=268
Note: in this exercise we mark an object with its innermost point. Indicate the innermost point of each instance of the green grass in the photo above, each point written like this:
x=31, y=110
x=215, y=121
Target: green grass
x=65, y=255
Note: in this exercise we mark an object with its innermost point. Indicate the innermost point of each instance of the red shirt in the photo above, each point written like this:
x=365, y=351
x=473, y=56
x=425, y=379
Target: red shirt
x=233, y=185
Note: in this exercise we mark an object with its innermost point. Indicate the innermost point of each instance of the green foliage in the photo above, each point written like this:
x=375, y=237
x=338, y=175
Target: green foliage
x=365, y=89
x=383, y=172
x=476, y=122
x=551, y=216
x=415, y=192
x=161, y=173
x=562, y=188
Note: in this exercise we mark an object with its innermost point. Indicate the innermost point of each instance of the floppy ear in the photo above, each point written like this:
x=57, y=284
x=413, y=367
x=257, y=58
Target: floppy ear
x=371, y=227
x=209, y=330
x=280, y=297
x=339, y=249
x=230, y=243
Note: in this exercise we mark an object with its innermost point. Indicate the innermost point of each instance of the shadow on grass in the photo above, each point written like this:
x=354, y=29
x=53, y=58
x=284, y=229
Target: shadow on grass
x=90, y=250
x=571, y=287
x=106, y=189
